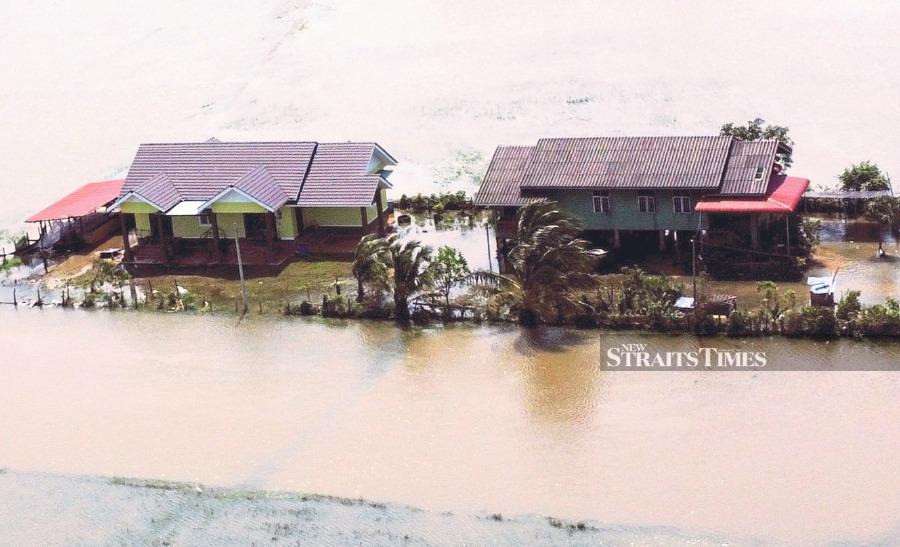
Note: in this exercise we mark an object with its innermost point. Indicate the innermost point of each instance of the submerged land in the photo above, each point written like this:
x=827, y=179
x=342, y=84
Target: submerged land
x=112, y=511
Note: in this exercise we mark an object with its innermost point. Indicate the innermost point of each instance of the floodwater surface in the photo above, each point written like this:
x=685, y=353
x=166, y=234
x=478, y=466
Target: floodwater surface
x=467, y=419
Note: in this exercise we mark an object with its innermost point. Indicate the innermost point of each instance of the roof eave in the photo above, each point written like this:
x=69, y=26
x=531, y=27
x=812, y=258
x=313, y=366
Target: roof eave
x=207, y=204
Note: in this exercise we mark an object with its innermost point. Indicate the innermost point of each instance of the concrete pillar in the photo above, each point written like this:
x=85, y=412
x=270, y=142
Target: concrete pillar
x=217, y=247
x=662, y=240
x=362, y=219
x=299, y=220
x=163, y=238
x=754, y=231
x=379, y=207
x=616, y=243
x=123, y=223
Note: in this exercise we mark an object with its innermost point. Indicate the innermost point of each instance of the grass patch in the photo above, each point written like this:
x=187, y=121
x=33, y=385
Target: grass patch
x=292, y=284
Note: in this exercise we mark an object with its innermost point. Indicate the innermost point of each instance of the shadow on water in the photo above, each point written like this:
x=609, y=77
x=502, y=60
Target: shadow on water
x=548, y=339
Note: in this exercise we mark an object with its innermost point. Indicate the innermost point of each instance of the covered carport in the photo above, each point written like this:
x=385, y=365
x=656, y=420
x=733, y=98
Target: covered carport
x=80, y=217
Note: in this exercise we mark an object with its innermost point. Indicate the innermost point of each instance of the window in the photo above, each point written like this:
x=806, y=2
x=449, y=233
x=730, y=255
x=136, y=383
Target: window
x=760, y=173
x=601, y=201
x=681, y=203
x=205, y=220
x=647, y=203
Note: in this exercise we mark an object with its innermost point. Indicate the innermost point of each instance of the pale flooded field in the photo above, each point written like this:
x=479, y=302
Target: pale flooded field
x=472, y=420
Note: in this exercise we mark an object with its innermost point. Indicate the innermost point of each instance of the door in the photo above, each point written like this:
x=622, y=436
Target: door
x=255, y=225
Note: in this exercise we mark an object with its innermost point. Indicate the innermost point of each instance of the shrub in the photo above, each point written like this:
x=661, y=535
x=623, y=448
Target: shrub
x=739, y=323
x=848, y=307
x=810, y=321
x=306, y=308
x=880, y=319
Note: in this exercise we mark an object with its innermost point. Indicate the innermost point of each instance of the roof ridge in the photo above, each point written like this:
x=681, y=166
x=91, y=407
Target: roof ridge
x=207, y=143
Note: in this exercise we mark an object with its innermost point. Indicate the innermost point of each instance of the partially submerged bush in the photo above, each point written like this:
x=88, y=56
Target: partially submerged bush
x=810, y=321
x=880, y=319
x=739, y=323
x=848, y=306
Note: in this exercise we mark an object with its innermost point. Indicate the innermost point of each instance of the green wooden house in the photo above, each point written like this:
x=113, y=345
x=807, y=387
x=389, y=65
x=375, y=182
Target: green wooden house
x=646, y=192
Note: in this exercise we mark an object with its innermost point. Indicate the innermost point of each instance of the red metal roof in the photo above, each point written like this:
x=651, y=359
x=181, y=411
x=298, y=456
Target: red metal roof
x=81, y=202
x=782, y=196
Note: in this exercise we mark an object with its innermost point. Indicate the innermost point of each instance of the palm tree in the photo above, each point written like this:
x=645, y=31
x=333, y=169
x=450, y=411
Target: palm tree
x=549, y=264
x=368, y=263
x=409, y=259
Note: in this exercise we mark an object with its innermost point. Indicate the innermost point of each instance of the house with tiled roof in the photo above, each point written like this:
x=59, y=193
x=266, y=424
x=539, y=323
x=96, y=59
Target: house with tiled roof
x=649, y=191
x=187, y=203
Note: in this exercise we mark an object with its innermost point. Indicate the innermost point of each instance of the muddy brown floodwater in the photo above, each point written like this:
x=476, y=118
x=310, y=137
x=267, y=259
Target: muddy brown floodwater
x=466, y=418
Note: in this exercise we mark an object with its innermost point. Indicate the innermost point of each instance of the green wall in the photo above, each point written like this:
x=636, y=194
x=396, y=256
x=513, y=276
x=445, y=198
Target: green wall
x=142, y=222
x=624, y=213
x=237, y=207
x=287, y=224
x=232, y=224
x=188, y=227
x=137, y=207
x=335, y=216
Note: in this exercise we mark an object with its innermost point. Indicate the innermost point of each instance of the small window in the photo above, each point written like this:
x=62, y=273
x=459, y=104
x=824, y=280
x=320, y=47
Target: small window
x=205, y=220
x=601, y=201
x=760, y=173
x=646, y=203
x=681, y=203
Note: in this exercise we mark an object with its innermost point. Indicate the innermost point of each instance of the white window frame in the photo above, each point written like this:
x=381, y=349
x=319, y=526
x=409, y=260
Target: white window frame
x=207, y=217
x=682, y=200
x=602, y=198
x=760, y=173
x=647, y=203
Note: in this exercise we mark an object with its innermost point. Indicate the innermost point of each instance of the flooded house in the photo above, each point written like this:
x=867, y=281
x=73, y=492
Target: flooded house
x=200, y=203
x=637, y=194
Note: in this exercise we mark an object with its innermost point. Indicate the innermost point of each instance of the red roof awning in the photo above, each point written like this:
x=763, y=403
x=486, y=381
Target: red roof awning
x=782, y=196
x=81, y=202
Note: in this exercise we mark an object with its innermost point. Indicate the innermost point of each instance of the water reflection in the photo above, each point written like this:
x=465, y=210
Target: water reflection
x=460, y=418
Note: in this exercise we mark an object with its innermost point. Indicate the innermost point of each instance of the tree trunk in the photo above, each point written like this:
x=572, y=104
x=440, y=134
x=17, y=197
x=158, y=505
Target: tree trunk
x=359, y=290
x=401, y=305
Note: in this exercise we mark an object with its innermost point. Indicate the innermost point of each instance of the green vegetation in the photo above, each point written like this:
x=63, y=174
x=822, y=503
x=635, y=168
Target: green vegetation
x=864, y=176
x=409, y=260
x=368, y=268
x=271, y=293
x=446, y=271
x=848, y=307
x=446, y=201
x=885, y=211
x=550, y=266
x=755, y=131
x=9, y=263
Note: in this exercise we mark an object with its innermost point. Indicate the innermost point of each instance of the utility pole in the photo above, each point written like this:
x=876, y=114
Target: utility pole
x=487, y=234
x=245, y=306
x=694, y=268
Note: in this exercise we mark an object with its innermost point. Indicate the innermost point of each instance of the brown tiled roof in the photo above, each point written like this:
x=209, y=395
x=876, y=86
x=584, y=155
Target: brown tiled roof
x=743, y=161
x=330, y=174
x=627, y=162
x=261, y=186
x=338, y=176
x=199, y=171
x=159, y=191
x=715, y=164
x=501, y=182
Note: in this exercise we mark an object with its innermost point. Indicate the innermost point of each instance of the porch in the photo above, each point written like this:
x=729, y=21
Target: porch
x=146, y=248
